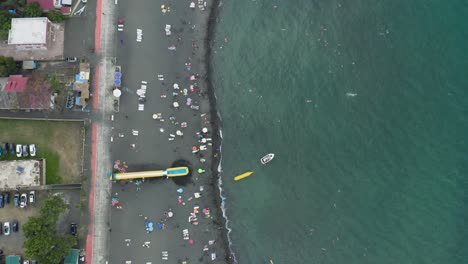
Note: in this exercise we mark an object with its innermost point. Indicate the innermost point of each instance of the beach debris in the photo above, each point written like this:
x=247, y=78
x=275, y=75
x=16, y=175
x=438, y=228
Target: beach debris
x=185, y=234
x=127, y=241
x=141, y=107
x=351, y=94
x=179, y=133
x=213, y=256
x=180, y=190
x=149, y=226
x=202, y=188
x=192, y=5
x=160, y=77
x=195, y=107
x=200, y=171
x=158, y=116
x=188, y=66
x=164, y=255
x=203, y=147
x=197, y=195
x=147, y=244
x=183, y=124
x=165, y=8
x=175, y=104
x=161, y=130
x=172, y=47
x=135, y=132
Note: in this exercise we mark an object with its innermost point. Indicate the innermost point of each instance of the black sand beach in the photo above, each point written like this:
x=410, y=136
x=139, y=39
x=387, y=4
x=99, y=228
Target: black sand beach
x=149, y=148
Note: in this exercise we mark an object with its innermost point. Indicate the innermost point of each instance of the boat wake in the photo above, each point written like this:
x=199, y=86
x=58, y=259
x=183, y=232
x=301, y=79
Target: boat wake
x=223, y=198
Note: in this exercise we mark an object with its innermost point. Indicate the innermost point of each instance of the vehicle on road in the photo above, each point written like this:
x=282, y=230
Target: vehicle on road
x=5, y=148
x=16, y=199
x=73, y=229
x=6, y=198
x=12, y=148
x=6, y=228
x=71, y=59
x=32, y=196
x=19, y=150
x=1, y=229
x=23, y=200
x=32, y=150
x=25, y=151
x=15, y=226
x=1, y=201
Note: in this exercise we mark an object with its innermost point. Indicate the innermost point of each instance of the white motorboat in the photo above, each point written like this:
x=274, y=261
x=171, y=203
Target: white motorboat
x=267, y=158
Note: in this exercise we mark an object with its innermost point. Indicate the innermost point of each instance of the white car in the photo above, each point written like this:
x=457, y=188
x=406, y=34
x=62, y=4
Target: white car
x=6, y=228
x=23, y=200
x=19, y=150
x=84, y=1
x=32, y=196
x=32, y=150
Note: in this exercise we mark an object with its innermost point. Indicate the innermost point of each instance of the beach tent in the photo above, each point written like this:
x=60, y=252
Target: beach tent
x=13, y=260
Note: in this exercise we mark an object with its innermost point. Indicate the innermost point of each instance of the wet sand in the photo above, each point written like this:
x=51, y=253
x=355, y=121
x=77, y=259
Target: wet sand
x=151, y=149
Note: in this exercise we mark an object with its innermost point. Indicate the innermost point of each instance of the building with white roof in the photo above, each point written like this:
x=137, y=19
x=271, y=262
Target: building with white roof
x=30, y=33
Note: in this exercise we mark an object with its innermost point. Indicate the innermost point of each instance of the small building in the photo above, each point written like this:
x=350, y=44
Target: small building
x=13, y=259
x=72, y=257
x=47, y=5
x=30, y=33
x=81, y=85
x=15, y=83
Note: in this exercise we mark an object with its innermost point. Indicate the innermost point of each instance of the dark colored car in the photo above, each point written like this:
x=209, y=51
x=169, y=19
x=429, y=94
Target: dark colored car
x=33, y=261
x=1, y=201
x=5, y=148
x=73, y=229
x=16, y=199
x=15, y=226
x=6, y=198
x=12, y=148
x=1, y=229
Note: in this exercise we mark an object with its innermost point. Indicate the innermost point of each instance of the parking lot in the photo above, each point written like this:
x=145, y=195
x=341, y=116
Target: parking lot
x=13, y=243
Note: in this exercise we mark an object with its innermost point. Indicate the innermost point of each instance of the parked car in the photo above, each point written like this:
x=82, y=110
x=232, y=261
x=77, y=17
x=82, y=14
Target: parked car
x=12, y=147
x=71, y=59
x=15, y=226
x=1, y=201
x=32, y=196
x=6, y=198
x=16, y=199
x=25, y=150
x=1, y=151
x=73, y=229
x=32, y=150
x=1, y=229
x=19, y=151
x=6, y=228
x=23, y=200
x=25, y=261
x=33, y=261
x=5, y=148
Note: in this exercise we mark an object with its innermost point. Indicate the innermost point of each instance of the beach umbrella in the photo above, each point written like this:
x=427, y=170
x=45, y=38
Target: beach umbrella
x=205, y=130
x=170, y=214
x=117, y=75
x=155, y=116
x=117, y=93
x=176, y=86
x=175, y=104
x=117, y=82
x=179, y=133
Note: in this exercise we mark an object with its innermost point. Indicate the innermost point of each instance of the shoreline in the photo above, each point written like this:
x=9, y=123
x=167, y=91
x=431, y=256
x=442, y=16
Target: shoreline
x=216, y=158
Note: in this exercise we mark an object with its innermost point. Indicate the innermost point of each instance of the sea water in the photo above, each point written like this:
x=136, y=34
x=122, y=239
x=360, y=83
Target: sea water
x=365, y=105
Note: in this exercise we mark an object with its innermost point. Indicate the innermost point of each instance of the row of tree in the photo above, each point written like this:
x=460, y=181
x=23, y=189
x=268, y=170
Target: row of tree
x=29, y=10
x=43, y=242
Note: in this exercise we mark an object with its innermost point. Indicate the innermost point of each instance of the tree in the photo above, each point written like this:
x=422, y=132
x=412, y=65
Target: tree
x=43, y=242
x=7, y=66
x=55, y=16
x=5, y=24
x=32, y=10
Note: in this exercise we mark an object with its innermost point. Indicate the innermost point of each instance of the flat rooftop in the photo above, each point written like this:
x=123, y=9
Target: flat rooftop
x=29, y=30
x=20, y=173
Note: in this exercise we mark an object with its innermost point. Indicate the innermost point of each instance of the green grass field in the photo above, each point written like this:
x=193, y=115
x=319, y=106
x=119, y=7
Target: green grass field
x=59, y=142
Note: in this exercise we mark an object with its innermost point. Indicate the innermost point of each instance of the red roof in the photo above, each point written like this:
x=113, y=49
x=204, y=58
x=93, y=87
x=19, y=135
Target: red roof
x=15, y=83
x=45, y=4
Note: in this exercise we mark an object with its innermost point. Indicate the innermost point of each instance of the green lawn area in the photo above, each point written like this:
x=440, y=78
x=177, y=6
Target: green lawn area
x=59, y=142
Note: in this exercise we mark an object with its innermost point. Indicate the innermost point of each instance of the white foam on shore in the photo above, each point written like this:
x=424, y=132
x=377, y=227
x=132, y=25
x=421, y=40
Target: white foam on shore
x=223, y=198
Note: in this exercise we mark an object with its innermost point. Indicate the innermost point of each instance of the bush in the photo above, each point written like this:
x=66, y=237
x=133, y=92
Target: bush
x=5, y=24
x=32, y=10
x=7, y=66
x=55, y=16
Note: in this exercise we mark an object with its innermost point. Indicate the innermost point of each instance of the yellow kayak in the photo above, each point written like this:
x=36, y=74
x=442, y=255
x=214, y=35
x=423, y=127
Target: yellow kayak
x=243, y=175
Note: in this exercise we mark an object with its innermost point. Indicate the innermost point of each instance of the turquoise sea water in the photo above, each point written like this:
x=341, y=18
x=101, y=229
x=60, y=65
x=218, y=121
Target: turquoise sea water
x=365, y=105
